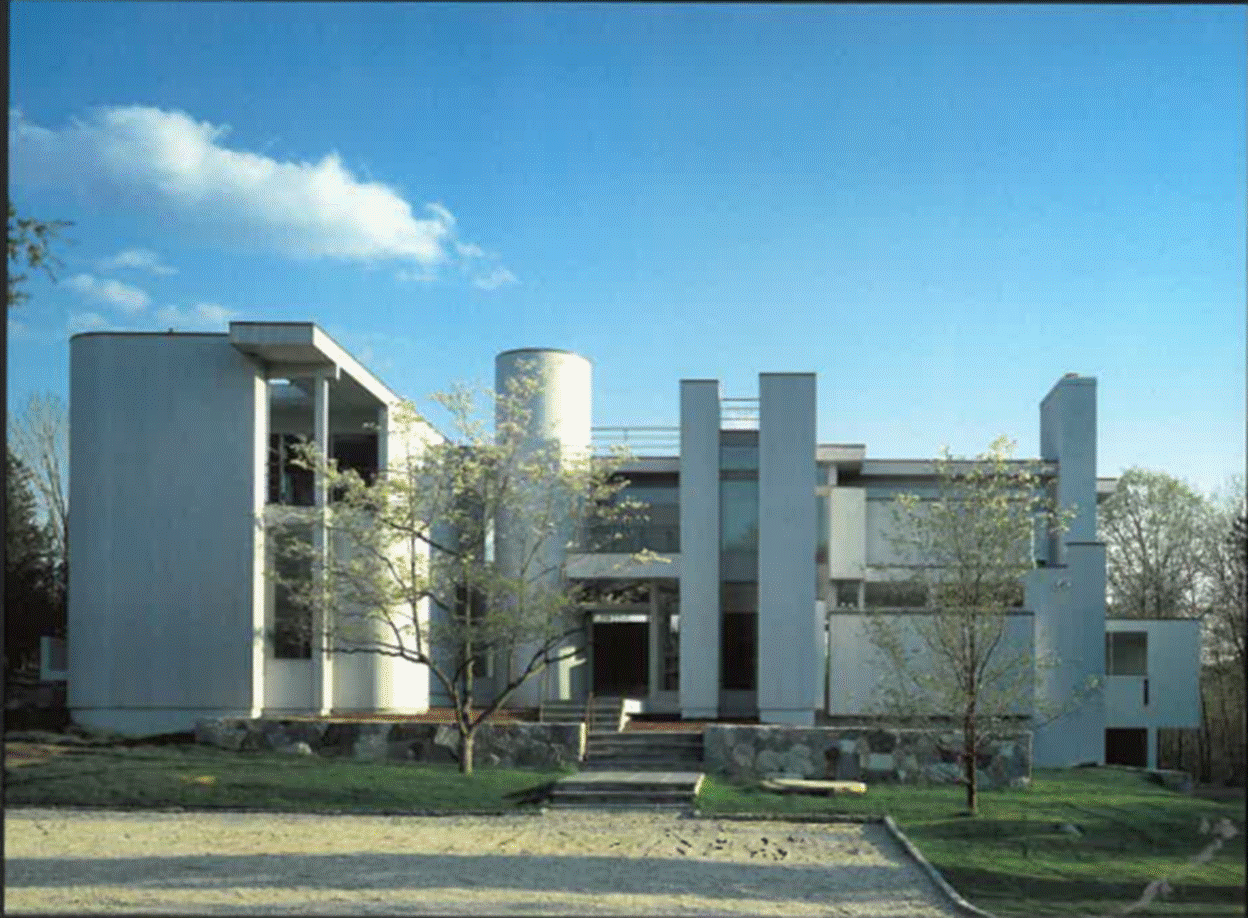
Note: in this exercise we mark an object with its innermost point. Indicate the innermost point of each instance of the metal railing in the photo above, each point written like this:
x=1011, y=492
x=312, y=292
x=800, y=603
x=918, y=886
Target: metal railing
x=639, y=441
x=738, y=413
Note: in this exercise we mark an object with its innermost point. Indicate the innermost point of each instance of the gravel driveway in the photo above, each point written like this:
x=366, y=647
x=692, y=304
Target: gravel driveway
x=588, y=862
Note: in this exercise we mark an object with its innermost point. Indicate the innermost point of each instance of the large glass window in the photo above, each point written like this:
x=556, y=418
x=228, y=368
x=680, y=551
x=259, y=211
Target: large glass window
x=738, y=509
x=899, y=594
x=358, y=452
x=292, y=615
x=669, y=623
x=289, y=484
x=739, y=637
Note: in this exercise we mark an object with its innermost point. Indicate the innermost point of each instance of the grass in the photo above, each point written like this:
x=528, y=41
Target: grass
x=1012, y=860
x=200, y=777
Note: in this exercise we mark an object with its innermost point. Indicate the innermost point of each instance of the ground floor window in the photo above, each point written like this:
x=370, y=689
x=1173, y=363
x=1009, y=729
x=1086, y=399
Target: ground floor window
x=292, y=615
x=668, y=597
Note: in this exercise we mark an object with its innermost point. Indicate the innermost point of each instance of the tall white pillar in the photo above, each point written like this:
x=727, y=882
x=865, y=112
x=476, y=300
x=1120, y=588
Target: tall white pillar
x=322, y=661
x=790, y=635
x=699, y=549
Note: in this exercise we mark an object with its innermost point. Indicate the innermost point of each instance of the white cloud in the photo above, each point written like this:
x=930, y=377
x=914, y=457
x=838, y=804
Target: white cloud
x=166, y=158
x=496, y=277
x=128, y=299
x=422, y=276
x=85, y=321
x=142, y=259
x=201, y=315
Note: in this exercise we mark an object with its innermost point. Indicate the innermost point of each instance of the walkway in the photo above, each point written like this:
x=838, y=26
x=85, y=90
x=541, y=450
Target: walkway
x=581, y=862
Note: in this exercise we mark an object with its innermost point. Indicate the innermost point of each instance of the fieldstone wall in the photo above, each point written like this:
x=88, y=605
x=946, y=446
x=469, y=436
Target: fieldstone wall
x=504, y=745
x=749, y=752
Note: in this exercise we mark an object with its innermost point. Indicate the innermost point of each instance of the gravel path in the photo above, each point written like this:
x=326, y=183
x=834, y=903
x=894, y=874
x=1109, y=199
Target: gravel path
x=621, y=863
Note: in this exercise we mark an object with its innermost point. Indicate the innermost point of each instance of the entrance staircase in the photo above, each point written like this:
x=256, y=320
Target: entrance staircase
x=642, y=769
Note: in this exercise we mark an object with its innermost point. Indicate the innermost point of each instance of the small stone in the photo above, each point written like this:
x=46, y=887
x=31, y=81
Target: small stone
x=1067, y=828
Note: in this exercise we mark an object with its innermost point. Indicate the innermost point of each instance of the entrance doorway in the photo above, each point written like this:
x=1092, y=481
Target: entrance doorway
x=1126, y=747
x=621, y=659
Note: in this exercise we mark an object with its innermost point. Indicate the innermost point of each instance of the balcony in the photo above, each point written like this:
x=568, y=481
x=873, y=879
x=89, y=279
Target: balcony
x=623, y=539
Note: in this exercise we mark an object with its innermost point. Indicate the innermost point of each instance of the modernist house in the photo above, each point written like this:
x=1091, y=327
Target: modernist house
x=772, y=547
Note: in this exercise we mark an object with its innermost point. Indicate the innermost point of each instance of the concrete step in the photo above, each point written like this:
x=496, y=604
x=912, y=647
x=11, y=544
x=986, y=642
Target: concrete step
x=622, y=799
x=667, y=764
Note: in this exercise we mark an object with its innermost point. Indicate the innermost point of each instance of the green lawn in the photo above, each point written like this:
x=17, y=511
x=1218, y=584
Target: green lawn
x=1012, y=860
x=203, y=777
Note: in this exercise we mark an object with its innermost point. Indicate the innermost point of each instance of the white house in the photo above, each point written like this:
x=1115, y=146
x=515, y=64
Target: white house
x=773, y=546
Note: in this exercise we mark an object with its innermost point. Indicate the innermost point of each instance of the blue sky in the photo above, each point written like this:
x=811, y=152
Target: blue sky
x=939, y=209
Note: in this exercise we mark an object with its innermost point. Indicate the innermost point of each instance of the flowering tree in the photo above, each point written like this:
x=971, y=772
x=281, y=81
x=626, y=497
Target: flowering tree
x=455, y=553
x=968, y=547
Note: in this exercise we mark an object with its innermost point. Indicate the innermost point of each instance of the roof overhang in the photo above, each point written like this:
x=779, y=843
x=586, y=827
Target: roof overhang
x=295, y=350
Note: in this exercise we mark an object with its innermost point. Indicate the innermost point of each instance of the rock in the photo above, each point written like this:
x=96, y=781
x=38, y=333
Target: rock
x=1022, y=781
x=1069, y=828
x=297, y=748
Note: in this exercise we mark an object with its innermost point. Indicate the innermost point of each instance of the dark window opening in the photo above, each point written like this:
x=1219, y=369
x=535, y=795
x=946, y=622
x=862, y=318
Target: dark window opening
x=289, y=484
x=292, y=615
x=357, y=452
x=739, y=651
x=1126, y=747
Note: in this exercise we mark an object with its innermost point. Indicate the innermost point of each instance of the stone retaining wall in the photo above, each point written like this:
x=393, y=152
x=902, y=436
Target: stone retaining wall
x=749, y=752
x=504, y=745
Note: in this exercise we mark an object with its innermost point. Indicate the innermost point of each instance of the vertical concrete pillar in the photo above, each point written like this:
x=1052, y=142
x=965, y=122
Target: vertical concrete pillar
x=322, y=661
x=1068, y=597
x=790, y=635
x=699, y=544
x=1068, y=437
x=259, y=579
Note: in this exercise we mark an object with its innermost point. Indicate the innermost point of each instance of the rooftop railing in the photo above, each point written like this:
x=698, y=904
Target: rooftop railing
x=638, y=441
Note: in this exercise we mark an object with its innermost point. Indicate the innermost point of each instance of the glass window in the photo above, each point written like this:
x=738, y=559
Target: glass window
x=669, y=619
x=739, y=651
x=738, y=510
x=846, y=593
x=289, y=484
x=357, y=452
x=1126, y=653
x=738, y=457
x=292, y=615
x=897, y=594
x=821, y=529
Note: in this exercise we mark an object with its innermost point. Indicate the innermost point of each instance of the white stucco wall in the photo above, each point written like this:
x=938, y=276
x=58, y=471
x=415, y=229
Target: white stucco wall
x=858, y=671
x=162, y=616
x=1172, y=672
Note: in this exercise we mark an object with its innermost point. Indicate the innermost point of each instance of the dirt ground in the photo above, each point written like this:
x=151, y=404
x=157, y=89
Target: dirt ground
x=601, y=863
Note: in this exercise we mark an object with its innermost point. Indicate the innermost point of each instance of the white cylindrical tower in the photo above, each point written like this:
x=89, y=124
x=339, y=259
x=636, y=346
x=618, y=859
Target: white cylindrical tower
x=558, y=403
x=549, y=393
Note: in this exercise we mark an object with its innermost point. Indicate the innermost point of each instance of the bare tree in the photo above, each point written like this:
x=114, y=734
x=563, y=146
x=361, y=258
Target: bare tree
x=1153, y=526
x=30, y=246
x=39, y=437
x=968, y=547
x=455, y=553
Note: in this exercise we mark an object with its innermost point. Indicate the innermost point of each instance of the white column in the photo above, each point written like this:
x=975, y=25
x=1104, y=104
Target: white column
x=322, y=662
x=789, y=630
x=699, y=549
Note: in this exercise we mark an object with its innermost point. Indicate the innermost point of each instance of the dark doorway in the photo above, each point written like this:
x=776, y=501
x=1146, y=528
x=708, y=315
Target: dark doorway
x=1126, y=747
x=622, y=659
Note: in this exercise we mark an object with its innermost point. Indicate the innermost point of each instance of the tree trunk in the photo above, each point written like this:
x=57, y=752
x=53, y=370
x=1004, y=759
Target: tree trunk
x=465, y=752
x=970, y=752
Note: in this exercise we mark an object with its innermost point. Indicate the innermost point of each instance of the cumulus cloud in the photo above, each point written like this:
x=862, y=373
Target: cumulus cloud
x=169, y=159
x=128, y=299
x=495, y=277
x=85, y=321
x=201, y=315
x=141, y=259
